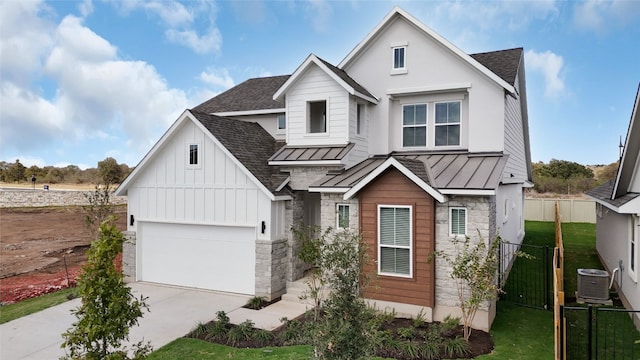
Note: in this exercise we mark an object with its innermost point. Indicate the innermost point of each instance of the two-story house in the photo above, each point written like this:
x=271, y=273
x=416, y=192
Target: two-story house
x=408, y=140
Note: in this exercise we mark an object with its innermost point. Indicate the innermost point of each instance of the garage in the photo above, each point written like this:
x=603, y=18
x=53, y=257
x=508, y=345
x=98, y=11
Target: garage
x=200, y=256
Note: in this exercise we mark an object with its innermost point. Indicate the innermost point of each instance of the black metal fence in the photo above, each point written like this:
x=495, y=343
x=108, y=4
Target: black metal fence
x=525, y=275
x=602, y=333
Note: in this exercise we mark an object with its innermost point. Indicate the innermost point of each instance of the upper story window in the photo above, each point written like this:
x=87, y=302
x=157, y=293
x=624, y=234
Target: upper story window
x=447, y=124
x=359, y=118
x=282, y=122
x=399, y=57
x=414, y=125
x=317, y=116
x=193, y=155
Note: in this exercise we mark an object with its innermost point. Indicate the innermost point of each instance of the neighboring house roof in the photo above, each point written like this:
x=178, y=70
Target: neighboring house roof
x=246, y=142
x=617, y=194
x=629, y=161
x=398, y=12
x=340, y=76
x=449, y=173
x=504, y=63
x=603, y=195
x=253, y=94
x=297, y=154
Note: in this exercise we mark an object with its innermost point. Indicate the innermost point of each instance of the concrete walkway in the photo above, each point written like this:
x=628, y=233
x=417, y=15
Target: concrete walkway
x=174, y=311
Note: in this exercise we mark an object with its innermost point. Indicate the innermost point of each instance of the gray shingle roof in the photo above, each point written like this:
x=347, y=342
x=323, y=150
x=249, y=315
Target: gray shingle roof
x=248, y=142
x=346, y=78
x=604, y=192
x=503, y=63
x=440, y=170
x=253, y=94
x=257, y=93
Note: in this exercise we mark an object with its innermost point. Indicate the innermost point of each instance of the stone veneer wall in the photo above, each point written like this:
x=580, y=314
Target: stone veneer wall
x=480, y=225
x=271, y=268
x=129, y=255
x=294, y=214
x=39, y=197
x=329, y=211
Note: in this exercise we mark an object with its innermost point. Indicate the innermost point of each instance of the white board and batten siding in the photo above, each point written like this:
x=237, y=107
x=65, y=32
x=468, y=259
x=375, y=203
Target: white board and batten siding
x=316, y=85
x=197, y=226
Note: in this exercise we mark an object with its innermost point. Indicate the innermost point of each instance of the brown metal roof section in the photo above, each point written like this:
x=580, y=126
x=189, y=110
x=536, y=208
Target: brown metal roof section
x=440, y=170
x=311, y=153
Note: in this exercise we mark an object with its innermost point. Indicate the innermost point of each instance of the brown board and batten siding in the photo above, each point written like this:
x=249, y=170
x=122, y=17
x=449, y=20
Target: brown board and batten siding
x=393, y=188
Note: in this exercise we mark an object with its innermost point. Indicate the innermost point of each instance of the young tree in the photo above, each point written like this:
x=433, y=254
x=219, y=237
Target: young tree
x=337, y=259
x=99, y=208
x=474, y=269
x=110, y=171
x=108, y=307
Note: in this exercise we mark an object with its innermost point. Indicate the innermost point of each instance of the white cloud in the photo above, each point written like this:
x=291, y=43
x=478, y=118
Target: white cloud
x=25, y=37
x=179, y=22
x=201, y=44
x=601, y=16
x=97, y=95
x=217, y=78
x=550, y=65
x=86, y=8
x=319, y=11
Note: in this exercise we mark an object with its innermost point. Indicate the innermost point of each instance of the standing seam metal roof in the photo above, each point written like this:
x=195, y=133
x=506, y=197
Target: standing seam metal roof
x=440, y=170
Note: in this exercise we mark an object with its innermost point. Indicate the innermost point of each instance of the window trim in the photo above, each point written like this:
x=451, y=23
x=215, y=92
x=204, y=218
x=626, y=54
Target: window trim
x=348, y=207
x=633, y=248
x=360, y=116
x=435, y=123
x=326, y=117
x=403, y=69
x=281, y=129
x=198, y=163
x=466, y=217
x=426, y=126
x=410, y=247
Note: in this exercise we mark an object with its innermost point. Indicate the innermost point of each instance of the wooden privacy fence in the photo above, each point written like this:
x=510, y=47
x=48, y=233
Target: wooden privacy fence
x=569, y=210
x=558, y=288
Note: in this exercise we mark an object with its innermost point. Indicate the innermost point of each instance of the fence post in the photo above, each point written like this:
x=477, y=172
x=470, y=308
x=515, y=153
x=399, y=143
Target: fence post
x=563, y=337
x=589, y=331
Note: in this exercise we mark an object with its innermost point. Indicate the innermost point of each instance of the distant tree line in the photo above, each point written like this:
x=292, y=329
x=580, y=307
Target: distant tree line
x=108, y=171
x=567, y=177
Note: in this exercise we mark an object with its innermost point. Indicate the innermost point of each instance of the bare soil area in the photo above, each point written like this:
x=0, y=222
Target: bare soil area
x=42, y=249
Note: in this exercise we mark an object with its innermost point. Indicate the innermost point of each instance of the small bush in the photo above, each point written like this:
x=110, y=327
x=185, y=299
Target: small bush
x=256, y=303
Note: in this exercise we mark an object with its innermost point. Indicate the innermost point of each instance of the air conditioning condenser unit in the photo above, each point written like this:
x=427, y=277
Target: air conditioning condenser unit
x=593, y=284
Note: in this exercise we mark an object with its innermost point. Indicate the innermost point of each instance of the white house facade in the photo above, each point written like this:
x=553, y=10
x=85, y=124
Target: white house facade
x=408, y=141
x=618, y=219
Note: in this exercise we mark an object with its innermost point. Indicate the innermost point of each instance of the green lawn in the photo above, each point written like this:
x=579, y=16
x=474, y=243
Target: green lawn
x=29, y=306
x=195, y=349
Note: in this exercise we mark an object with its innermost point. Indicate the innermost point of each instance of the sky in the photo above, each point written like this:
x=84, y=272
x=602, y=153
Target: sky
x=84, y=80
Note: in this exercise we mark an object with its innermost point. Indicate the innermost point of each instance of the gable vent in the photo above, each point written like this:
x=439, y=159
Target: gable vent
x=593, y=284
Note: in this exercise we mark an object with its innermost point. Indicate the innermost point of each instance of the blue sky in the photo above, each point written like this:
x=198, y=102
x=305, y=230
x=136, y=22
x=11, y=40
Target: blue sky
x=83, y=80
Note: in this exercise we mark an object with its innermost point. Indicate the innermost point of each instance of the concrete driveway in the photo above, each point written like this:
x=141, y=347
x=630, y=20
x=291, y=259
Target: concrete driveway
x=173, y=313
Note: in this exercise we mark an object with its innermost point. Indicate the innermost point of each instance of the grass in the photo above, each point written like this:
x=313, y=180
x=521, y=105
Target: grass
x=521, y=333
x=30, y=306
x=195, y=349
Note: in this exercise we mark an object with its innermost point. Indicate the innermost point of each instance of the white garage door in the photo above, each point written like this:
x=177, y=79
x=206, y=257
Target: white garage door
x=201, y=256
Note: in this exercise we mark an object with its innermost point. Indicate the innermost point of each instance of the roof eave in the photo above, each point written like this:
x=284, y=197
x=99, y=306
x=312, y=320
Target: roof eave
x=628, y=160
x=403, y=169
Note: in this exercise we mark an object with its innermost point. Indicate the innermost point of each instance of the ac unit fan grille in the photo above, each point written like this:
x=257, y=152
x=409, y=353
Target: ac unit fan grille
x=593, y=284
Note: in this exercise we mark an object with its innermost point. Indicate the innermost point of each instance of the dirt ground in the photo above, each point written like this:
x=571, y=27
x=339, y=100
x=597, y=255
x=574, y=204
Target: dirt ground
x=35, y=244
